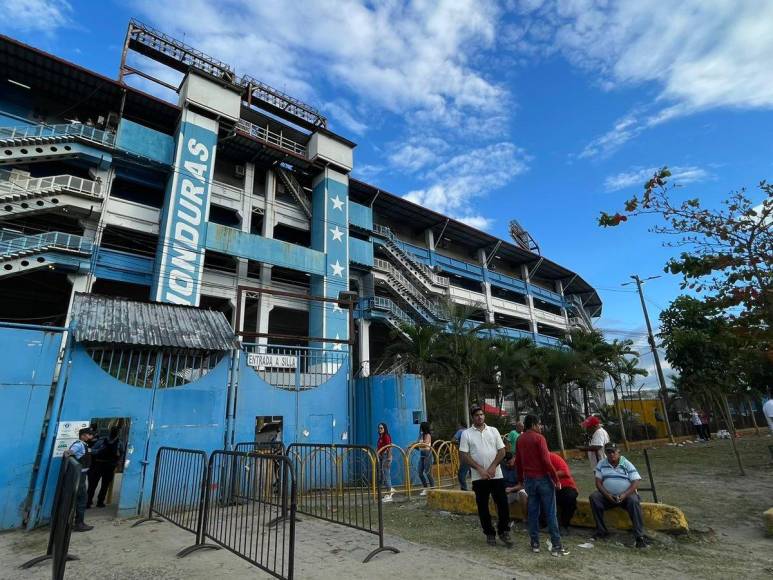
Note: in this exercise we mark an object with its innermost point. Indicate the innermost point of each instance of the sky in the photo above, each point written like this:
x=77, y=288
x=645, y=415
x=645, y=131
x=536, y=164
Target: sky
x=543, y=111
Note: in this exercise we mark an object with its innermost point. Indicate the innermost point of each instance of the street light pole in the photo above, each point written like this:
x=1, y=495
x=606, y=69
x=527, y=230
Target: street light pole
x=653, y=346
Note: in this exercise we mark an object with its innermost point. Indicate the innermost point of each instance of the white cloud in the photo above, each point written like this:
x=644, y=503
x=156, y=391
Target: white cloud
x=402, y=56
x=476, y=221
x=36, y=15
x=638, y=176
x=340, y=112
x=695, y=54
x=455, y=185
x=417, y=153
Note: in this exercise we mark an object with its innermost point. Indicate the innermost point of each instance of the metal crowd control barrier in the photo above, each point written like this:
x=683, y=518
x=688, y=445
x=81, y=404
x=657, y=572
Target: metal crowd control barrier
x=178, y=493
x=340, y=484
x=252, y=527
x=62, y=516
x=267, y=447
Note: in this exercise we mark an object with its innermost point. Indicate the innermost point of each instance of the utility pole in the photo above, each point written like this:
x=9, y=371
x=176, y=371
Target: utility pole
x=653, y=346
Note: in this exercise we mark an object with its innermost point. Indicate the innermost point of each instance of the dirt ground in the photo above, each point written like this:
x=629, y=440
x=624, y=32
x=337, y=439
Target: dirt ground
x=724, y=511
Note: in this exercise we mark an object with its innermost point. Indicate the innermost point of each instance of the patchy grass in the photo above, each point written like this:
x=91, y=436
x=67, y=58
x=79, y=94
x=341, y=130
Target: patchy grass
x=724, y=511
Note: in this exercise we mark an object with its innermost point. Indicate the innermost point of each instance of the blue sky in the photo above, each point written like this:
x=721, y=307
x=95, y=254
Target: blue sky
x=543, y=111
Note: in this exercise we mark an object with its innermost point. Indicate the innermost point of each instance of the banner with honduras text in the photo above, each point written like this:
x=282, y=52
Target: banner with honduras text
x=183, y=228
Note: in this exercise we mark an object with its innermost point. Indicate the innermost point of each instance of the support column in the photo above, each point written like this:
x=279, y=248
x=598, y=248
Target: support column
x=429, y=238
x=529, y=300
x=266, y=305
x=183, y=229
x=486, y=286
x=246, y=213
x=330, y=235
x=560, y=290
x=364, y=344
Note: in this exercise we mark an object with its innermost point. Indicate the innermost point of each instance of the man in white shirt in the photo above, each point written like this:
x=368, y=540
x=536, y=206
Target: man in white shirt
x=481, y=448
x=767, y=410
x=599, y=438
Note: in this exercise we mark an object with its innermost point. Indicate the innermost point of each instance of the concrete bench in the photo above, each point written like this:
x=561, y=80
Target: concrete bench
x=657, y=516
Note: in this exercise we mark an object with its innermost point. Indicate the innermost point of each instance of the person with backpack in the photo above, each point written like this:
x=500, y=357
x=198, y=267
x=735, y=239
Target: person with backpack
x=82, y=454
x=106, y=455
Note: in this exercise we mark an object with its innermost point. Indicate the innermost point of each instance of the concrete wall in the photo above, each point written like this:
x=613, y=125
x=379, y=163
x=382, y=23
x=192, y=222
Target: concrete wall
x=145, y=142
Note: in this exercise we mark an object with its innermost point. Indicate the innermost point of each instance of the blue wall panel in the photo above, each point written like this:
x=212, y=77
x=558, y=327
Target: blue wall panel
x=124, y=267
x=360, y=216
x=237, y=243
x=145, y=142
x=360, y=251
x=29, y=358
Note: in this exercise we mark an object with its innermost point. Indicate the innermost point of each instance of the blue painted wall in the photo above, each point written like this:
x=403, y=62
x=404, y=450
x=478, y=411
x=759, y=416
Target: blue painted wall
x=124, y=267
x=29, y=358
x=237, y=243
x=392, y=399
x=360, y=216
x=145, y=142
x=360, y=252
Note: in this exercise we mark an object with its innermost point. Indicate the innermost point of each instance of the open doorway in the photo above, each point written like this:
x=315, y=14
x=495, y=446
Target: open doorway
x=268, y=429
x=108, y=459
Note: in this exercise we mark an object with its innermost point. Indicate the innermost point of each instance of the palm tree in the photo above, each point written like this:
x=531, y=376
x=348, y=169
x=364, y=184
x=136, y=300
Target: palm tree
x=420, y=350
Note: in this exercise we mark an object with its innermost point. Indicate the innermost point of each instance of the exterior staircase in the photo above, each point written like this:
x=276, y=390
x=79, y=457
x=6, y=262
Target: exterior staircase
x=43, y=142
x=385, y=309
x=20, y=253
x=295, y=189
x=421, y=273
x=20, y=193
x=408, y=292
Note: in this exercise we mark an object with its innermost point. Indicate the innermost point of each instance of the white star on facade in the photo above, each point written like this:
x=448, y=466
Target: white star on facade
x=338, y=203
x=337, y=234
x=338, y=345
x=336, y=307
x=338, y=269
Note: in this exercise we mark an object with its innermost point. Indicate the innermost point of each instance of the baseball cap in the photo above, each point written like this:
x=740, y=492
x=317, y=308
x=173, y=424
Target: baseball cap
x=591, y=421
x=610, y=447
x=86, y=431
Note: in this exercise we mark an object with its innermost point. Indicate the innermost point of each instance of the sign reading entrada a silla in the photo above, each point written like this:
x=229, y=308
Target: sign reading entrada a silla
x=271, y=361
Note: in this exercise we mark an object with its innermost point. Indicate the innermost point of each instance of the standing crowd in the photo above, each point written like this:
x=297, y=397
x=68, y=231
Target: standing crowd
x=519, y=467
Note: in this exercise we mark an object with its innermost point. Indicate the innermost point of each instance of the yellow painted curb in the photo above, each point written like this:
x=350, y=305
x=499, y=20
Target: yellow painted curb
x=657, y=516
x=768, y=515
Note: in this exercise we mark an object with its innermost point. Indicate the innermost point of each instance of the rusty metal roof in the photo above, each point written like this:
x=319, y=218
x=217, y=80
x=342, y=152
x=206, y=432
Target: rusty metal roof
x=106, y=319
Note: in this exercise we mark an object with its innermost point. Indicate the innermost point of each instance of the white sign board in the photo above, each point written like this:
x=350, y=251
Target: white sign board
x=67, y=434
x=262, y=361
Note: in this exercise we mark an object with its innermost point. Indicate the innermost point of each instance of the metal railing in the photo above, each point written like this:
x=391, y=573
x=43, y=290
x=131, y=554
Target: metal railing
x=295, y=367
x=137, y=366
x=62, y=517
x=387, y=305
x=340, y=484
x=425, y=270
x=259, y=525
x=179, y=486
x=49, y=240
x=76, y=130
x=289, y=181
x=415, y=294
x=268, y=136
x=20, y=184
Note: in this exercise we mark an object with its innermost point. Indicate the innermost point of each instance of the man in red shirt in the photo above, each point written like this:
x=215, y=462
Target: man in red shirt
x=566, y=496
x=540, y=480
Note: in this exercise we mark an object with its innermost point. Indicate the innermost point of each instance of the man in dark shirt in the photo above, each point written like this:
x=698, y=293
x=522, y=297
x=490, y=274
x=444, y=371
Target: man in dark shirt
x=540, y=480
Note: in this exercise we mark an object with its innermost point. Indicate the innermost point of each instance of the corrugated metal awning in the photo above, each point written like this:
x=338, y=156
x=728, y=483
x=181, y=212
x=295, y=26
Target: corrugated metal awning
x=105, y=319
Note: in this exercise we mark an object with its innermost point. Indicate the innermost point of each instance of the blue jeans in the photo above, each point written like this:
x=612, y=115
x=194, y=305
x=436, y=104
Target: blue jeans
x=462, y=475
x=542, y=498
x=386, y=471
x=425, y=468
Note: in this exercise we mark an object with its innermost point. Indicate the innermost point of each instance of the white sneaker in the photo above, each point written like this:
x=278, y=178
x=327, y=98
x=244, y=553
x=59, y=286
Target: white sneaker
x=387, y=498
x=392, y=490
x=423, y=492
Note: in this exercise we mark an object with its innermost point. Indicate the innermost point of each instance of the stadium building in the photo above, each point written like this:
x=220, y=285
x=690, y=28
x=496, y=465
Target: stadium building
x=205, y=270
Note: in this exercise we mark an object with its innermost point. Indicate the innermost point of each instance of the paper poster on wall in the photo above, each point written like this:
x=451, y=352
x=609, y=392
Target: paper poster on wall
x=67, y=434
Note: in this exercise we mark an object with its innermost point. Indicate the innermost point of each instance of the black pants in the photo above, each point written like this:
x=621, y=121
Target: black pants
x=495, y=488
x=80, y=500
x=100, y=472
x=566, y=501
